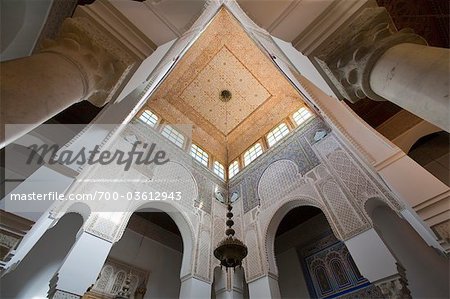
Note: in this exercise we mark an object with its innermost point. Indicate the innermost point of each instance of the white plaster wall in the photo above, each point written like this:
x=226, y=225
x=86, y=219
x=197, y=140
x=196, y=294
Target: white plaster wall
x=30, y=280
x=264, y=288
x=163, y=263
x=143, y=72
x=290, y=275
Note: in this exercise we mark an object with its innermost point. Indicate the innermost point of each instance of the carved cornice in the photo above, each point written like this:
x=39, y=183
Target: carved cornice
x=346, y=59
x=111, y=20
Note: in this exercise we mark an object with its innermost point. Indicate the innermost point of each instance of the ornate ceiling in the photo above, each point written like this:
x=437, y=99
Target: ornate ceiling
x=225, y=58
x=225, y=72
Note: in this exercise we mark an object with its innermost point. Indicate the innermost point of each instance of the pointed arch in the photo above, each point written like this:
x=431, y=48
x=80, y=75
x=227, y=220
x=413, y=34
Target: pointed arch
x=184, y=226
x=275, y=220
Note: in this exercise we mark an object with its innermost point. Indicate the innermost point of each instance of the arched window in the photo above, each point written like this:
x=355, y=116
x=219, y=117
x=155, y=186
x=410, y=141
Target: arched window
x=321, y=277
x=252, y=153
x=233, y=169
x=219, y=169
x=301, y=115
x=173, y=135
x=199, y=154
x=149, y=118
x=339, y=272
x=277, y=134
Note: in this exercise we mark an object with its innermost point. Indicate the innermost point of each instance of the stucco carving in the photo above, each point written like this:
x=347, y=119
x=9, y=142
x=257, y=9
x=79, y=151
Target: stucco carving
x=349, y=56
x=202, y=268
x=298, y=171
x=357, y=180
x=296, y=149
x=224, y=57
x=253, y=263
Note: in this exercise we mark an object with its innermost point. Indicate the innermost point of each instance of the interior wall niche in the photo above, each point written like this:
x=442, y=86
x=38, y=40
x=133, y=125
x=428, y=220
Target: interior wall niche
x=432, y=152
x=312, y=262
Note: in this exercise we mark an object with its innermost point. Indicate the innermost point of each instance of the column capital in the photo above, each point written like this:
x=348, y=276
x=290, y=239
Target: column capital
x=348, y=56
x=101, y=61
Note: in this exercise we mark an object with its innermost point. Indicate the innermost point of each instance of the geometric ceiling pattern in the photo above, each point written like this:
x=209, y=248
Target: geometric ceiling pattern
x=224, y=57
x=225, y=72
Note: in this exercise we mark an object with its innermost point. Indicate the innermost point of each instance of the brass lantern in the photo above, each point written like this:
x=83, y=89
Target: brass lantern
x=230, y=251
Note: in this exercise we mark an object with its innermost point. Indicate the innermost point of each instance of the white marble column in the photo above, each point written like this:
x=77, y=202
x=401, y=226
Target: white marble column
x=368, y=57
x=416, y=78
x=80, y=267
x=82, y=64
x=194, y=288
x=265, y=287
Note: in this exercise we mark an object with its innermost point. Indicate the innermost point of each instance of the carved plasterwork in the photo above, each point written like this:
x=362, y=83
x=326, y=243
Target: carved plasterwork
x=203, y=261
x=356, y=179
x=107, y=284
x=253, y=262
x=224, y=57
x=348, y=56
x=295, y=149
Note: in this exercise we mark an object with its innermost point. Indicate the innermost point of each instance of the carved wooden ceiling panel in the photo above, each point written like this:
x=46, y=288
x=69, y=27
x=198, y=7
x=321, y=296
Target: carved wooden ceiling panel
x=225, y=72
x=225, y=58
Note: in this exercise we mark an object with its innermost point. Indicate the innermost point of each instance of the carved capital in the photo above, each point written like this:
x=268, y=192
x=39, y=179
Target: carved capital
x=347, y=58
x=396, y=286
x=102, y=63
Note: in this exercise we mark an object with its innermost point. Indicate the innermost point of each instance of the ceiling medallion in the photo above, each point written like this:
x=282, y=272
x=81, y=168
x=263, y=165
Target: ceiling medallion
x=225, y=95
x=230, y=251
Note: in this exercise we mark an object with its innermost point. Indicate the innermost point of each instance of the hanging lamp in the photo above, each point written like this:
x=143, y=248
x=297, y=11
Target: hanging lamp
x=230, y=251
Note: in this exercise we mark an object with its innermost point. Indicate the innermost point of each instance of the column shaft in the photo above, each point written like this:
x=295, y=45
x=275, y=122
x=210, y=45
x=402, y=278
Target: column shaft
x=193, y=288
x=415, y=77
x=81, y=64
x=45, y=83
